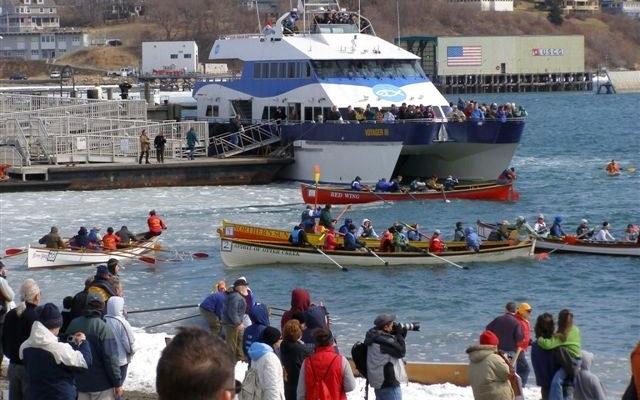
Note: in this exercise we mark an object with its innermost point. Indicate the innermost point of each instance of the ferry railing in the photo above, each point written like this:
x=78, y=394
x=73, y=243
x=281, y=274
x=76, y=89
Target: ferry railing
x=248, y=138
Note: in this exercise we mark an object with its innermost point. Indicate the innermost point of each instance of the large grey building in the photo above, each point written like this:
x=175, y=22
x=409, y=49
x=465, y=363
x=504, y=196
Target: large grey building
x=28, y=15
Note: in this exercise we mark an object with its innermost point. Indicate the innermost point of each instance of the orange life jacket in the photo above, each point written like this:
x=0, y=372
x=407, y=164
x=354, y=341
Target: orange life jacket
x=155, y=224
x=436, y=246
x=110, y=240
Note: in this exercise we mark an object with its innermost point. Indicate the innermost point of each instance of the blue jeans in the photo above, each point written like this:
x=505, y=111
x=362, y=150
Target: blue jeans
x=555, y=390
x=192, y=150
x=522, y=368
x=389, y=393
x=18, y=382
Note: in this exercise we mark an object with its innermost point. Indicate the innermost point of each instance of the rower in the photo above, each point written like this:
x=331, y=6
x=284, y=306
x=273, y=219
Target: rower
x=458, y=235
x=450, y=183
x=298, y=236
x=325, y=217
x=540, y=226
x=81, y=240
x=523, y=230
x=156, y=225
x=556, y=229
x=126, y=237
x=330, y=242
x=356, y=185
x=382, y=186
x=394, y=184
x=307, y=219
x=366, y=230
x=52, y=239
x=436, y=245
x=631, y=233
x=413, y=234
x=507, y=176
x=472, y=238
x=350, y=241
x=418, y=185
x=603, y=234
x=94, y=237
x=500, y=233
x=613, y=167
x=386, y=242
x=110, y=240
x=399, y=239
x=583, y=230
x=433, y=184
x=345, y=227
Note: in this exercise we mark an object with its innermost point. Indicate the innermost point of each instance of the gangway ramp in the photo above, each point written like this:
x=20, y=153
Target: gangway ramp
x=624, y=81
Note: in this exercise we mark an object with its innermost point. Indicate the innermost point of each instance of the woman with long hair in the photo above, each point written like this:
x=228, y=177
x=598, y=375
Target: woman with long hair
x=567, y=336
x=544, y=365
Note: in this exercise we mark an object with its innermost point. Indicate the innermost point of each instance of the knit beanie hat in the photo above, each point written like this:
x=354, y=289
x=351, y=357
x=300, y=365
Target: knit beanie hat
x=50, y=316
x=102, y=272
x=270, y=335
x=488, y=337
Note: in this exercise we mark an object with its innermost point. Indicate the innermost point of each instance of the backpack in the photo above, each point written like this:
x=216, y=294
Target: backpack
x=359, y=357
x=320, y=390
x=250, y=386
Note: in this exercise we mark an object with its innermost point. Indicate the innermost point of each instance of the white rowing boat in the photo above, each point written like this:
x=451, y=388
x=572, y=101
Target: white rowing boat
x=237, y=252
x=571, y=244
x=42, y=257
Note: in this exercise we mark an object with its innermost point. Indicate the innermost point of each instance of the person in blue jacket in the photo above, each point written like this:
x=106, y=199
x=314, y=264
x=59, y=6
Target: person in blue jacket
x=81, y=240
x=211, y=308
x=345, y=228
x=382, y=186
x=472, y=238
x=350, y=241
x=259, y=315
x=356, y=185
x=556, y=229
x=298, y=236
x=49, y=363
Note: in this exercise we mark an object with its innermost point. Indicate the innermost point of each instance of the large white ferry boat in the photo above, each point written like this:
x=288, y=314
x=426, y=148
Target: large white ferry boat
x=313, y=62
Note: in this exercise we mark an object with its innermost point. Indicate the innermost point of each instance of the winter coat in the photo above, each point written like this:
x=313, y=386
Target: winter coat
x=78, y=305
x=333, y=369
x=191, y=138
x=325, y=218
x=125, y=339
x=52, y=241
x=144, y=142
x=81, y=240
x=572, y=343
x=508, y=330
x=50, y=364
x=488, y=374
x=350, y=242
x=159, y=142
x=292, y=354
x=16, y=329
x=214, y=303
x=259, y=315
x=385, y=351
x=588, y=386
x=300, y=301
x=526, y=333
x=233, y=309
x=269, y=369
x=473, y=241
x=104, y=372
x=126, y=236
x=315, y=317
x=556, y=230
x=544, y=365
x=103, y=287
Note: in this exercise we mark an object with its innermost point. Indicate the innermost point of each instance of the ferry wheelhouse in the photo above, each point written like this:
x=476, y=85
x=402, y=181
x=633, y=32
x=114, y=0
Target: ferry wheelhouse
x=313, y=61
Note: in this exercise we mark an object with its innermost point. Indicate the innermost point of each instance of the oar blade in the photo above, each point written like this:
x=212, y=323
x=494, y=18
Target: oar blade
x=148, y=260
x=10, y=252
x=200, y=255
x=542, y=256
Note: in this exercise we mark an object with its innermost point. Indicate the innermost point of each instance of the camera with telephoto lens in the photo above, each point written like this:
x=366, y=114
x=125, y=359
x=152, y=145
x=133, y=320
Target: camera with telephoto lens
x=71, y=338
x=407, y=326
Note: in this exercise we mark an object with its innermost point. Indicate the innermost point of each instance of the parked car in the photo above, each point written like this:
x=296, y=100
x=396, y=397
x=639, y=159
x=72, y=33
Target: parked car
x=66, y=74
x=55, y=75
x=18, y=77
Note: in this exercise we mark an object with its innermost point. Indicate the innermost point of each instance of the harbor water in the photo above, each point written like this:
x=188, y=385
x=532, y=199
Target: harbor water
x=560, y=162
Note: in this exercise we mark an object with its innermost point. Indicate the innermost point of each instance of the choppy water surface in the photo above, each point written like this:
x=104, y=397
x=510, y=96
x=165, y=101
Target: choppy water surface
x=568, y=140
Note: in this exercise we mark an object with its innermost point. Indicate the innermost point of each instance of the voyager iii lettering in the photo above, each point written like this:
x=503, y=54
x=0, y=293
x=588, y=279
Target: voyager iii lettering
x=376, y=132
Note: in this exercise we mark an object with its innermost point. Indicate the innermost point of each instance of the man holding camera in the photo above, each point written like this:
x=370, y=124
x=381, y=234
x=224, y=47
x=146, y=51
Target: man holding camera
x=385, y=350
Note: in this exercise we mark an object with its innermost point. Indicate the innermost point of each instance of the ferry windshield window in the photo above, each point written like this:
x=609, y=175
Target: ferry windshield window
x=369, y=69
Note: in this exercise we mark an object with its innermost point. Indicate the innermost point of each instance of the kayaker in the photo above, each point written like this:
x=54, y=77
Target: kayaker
x=110, y=240
x=366, y=230
x=52, y=239
x=603, y=234
x=472, y=238
x=330, y=242
x=298, y=236
x=126, y=237
x=556, y=230
x=458, y=235
x=540, y=226
x=613, y=167
x=156, y=225
x=583, y=231
x=325, y=217
x=435, y=244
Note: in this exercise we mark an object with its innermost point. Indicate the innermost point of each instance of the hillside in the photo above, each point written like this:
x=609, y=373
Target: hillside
x=610, y=40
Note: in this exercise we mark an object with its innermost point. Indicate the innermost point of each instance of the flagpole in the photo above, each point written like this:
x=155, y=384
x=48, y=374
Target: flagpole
x=398, y=17
x=258, y=14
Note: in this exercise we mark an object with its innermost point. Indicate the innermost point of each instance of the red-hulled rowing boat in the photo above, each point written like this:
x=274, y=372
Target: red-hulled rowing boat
x=342, y=195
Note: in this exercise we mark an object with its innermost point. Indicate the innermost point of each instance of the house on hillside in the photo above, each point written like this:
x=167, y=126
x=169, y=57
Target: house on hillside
x=628, y=7
x=580, y=6
x=28, y=15
x=488, y=5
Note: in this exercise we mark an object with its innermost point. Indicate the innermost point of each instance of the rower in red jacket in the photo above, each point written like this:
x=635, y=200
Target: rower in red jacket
x=330, y=242
x=436, y=245
x=156, y=225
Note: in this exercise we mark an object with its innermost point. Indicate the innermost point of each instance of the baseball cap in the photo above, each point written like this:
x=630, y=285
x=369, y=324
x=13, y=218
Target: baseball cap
x=383, y=319
x=523, y=307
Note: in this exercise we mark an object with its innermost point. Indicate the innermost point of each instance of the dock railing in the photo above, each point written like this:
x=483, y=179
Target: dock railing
x=249, y=138
x=12, y=135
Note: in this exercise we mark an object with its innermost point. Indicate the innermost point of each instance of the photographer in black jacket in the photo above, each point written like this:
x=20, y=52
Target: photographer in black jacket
x=385, y=350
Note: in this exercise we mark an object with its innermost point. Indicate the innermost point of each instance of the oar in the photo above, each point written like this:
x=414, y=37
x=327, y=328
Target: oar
x=419, y=233
x=126, y=254
x=444, y=196
x=346, y=208
x=332, y=260
x=162, y=309
x=438, y=257
x=373, y=192
x=194, y=255
x=544, y=255
x=373, y=253
x=14, y=252
x=171, y=321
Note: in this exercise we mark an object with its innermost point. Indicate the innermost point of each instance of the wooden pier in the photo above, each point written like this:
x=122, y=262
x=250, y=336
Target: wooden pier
x=515, y=83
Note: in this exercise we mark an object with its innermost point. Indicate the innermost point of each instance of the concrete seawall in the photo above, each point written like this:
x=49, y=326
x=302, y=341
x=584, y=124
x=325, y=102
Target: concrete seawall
x=200, y=172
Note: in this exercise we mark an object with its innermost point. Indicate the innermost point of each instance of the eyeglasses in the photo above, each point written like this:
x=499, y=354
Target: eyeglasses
x=237, y=389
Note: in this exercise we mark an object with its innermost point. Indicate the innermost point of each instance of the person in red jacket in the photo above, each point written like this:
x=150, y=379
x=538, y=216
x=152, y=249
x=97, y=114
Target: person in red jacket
x=110, y=240
x=386, y=241
x=522, y=366
x=156, y=225
x=330, y=242
x=325, y=369
x=436, y=245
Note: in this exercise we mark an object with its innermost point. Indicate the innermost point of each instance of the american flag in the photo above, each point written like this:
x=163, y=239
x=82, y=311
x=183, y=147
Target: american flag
x=458, y=56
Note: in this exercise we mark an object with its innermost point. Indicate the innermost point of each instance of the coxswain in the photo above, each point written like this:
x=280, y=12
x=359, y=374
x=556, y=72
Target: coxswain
x=386, y=241
x=450, y=183
x=613, y=167
x=583, y=230
x=298, y=236
x=472, y=239
x=52, y=239
x=500, y=233
x=356, y=185
x=156, y=225
x=556, y=229
x=603, y=234
x=350, y=241
x=345, y=227
x=307, y=219
x=81, y=240
x=540, y=226
x=508, y=175
x=413, y=233
x=110, y=240
x=366, y=230
x=330, y=242
x=435, y=244
x=126, y=237
x=325, y=217
x=94, y=237
x=458, y=235
x=631, y=233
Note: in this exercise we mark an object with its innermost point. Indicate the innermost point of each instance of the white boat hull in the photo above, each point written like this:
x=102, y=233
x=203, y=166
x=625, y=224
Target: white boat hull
x=236, y=253
x=38, y=257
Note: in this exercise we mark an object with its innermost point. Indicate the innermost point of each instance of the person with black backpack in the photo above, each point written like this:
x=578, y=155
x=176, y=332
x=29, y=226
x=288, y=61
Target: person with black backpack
x=385, y=349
